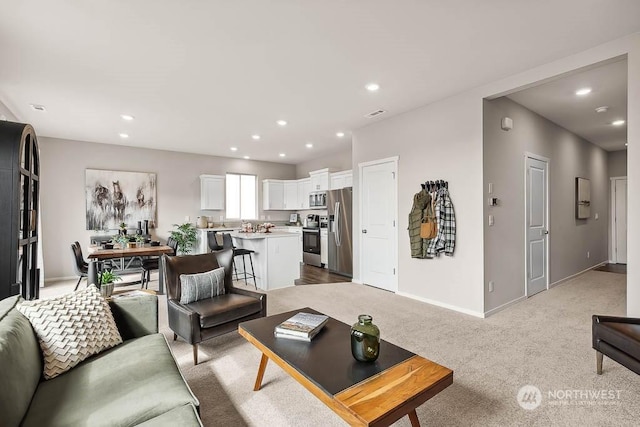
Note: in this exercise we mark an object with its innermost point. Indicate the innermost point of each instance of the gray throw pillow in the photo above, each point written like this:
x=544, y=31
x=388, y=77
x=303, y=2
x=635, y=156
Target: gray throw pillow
x=195, y=287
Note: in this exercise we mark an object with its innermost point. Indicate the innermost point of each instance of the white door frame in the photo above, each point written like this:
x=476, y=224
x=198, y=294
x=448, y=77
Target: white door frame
x=548, y=219
x=394, y=239
x=612, y=218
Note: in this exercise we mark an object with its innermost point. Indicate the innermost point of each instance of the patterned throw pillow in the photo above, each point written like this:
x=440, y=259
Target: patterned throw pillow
x=71, y=328
x=201, y=286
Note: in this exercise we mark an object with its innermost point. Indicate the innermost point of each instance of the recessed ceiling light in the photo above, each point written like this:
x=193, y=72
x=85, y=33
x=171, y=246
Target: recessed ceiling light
x=38, y=107
x=340, y=134
x=584, y=91
x=309, y=145
x=282, y=155
x=124, y=135
x=255, y=136
x=234, y=148
x=372, y=87
x=281, y=122
x=127, y=117
x=602, y=109
x=618, y=122
x=246, y=157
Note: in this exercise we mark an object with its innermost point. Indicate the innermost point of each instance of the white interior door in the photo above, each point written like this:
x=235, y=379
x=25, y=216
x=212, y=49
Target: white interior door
x=620, y=221
x=378, y=224
x=536, y=200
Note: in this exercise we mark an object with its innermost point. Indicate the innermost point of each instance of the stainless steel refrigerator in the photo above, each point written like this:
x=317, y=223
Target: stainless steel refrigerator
x=340, y=209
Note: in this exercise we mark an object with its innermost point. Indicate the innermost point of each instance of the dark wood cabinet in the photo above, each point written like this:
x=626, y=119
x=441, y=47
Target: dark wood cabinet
x=19, y=208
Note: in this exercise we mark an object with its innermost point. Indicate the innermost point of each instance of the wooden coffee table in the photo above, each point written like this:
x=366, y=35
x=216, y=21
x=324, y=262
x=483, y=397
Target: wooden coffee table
x=363, y=394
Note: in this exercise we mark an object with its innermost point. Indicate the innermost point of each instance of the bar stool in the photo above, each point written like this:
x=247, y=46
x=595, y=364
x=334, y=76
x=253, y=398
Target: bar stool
x=227, y=242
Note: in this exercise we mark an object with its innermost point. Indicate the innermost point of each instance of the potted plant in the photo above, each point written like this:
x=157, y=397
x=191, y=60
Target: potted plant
x=107, y=280
x=123, y=229
x=121, y=240
x=185, y=237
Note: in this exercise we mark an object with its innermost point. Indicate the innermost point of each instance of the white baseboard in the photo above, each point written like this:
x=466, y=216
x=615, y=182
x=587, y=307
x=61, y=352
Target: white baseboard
x=503, y=306
x=566, y=279
x=60, y=279
x=357, y=281
x=442, y=304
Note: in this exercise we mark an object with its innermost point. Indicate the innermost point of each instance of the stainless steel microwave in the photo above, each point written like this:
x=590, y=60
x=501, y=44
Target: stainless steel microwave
x=318, y=200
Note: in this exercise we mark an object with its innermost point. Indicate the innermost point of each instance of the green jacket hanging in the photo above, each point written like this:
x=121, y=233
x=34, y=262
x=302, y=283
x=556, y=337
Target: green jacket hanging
x=420, y=202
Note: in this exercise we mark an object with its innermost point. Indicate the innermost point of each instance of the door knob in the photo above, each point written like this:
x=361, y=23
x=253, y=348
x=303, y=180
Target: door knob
x=364, y=231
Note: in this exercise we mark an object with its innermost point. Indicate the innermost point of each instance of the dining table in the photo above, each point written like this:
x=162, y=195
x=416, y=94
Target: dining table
x=97, y=255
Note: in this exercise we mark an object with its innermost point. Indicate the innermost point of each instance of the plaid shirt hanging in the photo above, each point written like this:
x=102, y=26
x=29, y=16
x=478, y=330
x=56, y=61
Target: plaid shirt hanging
x=445, y=241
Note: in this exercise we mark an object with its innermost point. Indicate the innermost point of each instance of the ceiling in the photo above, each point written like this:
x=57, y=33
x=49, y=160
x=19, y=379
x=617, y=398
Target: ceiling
x=558, y=102
x=202, y=77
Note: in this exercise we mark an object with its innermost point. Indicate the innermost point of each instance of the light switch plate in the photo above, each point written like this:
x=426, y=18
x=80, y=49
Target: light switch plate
x=491, y=220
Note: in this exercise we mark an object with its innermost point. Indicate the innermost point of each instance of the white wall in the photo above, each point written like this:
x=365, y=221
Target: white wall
x=617, y=163
x=438, y=141
x=438, y=138
x=633, y=181
x=6, y=114
x=339, y=161
x=178, y=189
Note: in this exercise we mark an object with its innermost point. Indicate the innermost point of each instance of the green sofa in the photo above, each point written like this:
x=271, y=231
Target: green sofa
x=136, y=382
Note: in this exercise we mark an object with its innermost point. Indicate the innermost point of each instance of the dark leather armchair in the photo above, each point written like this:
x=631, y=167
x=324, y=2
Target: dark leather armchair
x=618, y=338
x=208, y=318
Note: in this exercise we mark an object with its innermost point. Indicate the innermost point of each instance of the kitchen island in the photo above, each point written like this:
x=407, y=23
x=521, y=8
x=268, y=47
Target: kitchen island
x=276, y=260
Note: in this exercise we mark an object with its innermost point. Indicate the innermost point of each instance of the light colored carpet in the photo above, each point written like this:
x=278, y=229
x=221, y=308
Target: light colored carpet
x=544, y=341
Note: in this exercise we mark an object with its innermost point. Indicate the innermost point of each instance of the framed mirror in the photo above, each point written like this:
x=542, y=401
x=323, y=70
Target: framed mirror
x=583, y=198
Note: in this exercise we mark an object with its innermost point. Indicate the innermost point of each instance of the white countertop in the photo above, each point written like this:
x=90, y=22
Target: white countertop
x=272, y=235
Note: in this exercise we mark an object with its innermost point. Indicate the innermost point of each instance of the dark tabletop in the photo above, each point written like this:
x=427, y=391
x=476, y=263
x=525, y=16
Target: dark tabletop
x=327, y=359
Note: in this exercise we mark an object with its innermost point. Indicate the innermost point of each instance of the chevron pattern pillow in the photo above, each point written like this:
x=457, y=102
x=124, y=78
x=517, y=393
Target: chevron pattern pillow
x=71, y=328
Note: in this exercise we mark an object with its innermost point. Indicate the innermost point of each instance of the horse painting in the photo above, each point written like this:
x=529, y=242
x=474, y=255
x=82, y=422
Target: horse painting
x=114, y=197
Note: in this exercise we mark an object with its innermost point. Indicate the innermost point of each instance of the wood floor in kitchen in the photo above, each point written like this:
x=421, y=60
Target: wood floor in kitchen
x=310, y=275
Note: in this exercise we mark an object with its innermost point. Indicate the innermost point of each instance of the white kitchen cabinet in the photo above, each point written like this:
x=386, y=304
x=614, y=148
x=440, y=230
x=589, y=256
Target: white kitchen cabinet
x=319, y=180
x=324, y=247
x=340, y=180
x=211, y=192
x=291, y=195
x=272, y=194
x=298, y=231
x=348, y=179
x=304, y=188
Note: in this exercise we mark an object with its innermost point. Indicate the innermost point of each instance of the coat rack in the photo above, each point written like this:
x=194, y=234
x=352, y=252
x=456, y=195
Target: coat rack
x=434, y=185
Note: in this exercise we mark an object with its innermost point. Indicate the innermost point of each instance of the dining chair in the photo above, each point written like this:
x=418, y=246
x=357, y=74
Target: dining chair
x=212, y=241
x=80, y=266
x=150, y=264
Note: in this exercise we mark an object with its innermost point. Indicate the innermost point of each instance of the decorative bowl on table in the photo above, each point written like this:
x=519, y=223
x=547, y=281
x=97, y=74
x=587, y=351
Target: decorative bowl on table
x=107, y=246
x=155, y=243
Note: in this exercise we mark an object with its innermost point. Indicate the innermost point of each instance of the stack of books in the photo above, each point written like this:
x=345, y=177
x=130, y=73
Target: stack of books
x=301, y=327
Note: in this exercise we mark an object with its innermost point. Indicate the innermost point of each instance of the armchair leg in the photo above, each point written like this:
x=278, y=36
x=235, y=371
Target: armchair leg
x=599, y=362
x=78, y=284
x=195, y=354
x=142, y=277
x=175, y=336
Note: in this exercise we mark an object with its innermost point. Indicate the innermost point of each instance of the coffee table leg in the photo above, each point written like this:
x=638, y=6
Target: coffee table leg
x=413, y=417
x=261, y=369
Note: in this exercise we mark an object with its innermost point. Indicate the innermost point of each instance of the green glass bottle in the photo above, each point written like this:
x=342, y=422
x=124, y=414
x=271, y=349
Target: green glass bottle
x=365, y=339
